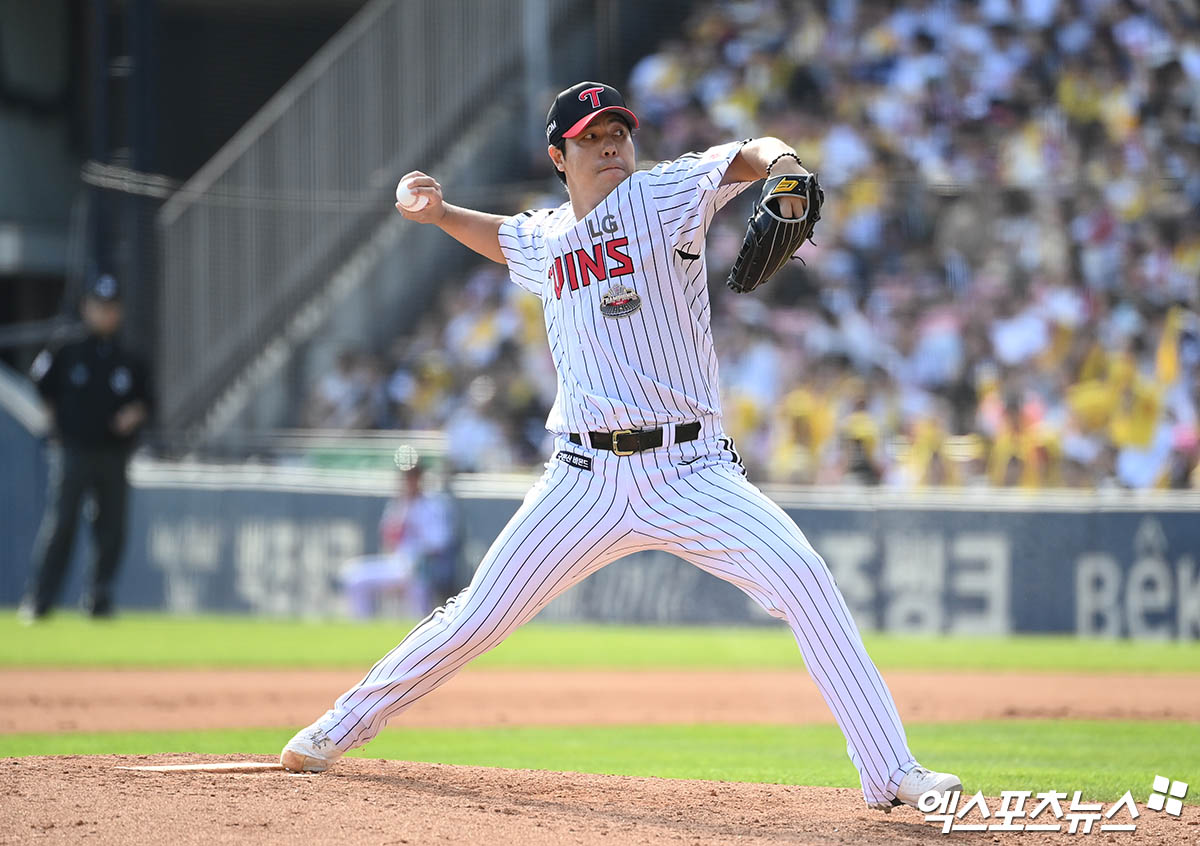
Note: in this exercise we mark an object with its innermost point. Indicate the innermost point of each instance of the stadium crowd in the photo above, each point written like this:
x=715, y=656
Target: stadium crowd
x=1006, y=281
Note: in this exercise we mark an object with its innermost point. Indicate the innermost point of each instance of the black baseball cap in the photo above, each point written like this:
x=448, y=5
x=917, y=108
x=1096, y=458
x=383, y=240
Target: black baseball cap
x=574, y=109
x=105, y=289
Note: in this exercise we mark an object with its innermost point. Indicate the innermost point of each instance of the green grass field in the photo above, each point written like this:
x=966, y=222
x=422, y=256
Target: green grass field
x=145, y=640
x=1101, y=758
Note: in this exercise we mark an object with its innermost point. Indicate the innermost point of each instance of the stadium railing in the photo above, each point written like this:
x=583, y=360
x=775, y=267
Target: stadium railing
x=249, y=238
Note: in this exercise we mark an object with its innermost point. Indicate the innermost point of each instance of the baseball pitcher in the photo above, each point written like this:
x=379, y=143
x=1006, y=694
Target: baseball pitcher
x=641, y=460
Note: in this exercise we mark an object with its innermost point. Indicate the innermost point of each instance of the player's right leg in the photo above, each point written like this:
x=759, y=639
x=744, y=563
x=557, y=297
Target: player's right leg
x=570, y=524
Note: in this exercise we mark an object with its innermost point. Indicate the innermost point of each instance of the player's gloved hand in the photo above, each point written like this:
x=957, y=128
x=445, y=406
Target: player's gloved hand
x=783, y=218
x=424, y=185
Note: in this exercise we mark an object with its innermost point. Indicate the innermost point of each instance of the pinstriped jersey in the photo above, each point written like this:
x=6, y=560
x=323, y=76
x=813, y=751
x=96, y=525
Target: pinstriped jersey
x=624, y=293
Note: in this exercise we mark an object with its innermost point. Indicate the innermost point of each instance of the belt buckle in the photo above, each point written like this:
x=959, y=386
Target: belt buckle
x=615, y=434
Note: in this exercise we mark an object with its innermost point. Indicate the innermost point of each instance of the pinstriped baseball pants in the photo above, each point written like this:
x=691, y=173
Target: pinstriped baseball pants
x=592, y=507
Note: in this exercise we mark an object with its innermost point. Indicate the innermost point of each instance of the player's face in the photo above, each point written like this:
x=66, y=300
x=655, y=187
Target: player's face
x=600, y=157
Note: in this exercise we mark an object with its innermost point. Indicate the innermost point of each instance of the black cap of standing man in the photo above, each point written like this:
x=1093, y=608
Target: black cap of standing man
x=574, y=109
x=101, y=307
x=105, y=289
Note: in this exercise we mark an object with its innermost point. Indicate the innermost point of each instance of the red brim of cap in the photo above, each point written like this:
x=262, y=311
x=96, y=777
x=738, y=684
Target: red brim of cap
x=584, y=121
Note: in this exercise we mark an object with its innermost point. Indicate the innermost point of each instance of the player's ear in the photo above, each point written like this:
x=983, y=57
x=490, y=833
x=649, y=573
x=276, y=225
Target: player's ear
x=556, y=156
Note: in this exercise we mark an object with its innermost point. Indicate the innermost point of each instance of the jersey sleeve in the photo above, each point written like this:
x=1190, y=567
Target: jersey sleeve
x=688, y=190
x=524, y=248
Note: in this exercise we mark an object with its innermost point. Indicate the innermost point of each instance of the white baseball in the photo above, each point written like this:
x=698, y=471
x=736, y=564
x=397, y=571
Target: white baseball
x=408, y=200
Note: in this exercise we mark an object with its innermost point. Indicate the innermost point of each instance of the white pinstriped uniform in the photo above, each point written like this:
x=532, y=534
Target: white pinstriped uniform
x=653, y=367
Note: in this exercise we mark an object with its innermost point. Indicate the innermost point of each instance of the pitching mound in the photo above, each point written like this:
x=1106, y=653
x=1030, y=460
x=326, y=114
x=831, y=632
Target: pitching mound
x=67, y=799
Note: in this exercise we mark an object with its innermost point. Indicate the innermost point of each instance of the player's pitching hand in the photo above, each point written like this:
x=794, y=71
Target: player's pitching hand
x=423, y=185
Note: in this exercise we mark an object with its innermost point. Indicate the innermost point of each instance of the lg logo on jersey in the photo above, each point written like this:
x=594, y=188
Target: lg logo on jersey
x=608, y=224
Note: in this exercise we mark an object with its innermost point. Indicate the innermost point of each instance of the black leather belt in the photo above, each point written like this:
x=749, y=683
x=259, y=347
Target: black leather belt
x=629, y=441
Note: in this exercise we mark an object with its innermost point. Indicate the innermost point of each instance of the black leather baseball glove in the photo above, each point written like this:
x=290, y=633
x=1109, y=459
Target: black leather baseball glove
x=770, y=239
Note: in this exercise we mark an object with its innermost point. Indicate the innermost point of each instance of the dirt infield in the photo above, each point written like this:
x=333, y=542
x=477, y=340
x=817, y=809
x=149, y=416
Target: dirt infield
x=76, y=799
x=125, y=700
x=73, y=799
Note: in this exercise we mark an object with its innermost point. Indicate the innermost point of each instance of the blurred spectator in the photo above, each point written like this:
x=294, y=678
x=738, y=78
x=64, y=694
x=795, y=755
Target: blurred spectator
x=417, y=552
x=336, y=402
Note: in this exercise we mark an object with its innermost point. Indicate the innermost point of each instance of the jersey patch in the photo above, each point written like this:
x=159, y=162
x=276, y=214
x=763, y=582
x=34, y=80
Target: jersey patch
x=583, y=462
x=619, y=301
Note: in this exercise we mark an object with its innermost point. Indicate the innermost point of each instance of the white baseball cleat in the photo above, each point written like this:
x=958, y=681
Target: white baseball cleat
x=310, y=751
x=915, y=784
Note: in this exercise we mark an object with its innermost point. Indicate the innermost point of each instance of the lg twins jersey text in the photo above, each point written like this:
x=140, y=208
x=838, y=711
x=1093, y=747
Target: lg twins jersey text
x=625, y=296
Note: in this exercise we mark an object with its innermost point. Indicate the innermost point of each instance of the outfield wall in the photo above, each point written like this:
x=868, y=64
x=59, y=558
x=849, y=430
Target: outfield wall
x=270, y=541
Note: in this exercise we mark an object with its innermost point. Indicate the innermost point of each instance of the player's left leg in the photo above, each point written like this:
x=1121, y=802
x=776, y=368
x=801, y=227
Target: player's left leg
x=708, y=513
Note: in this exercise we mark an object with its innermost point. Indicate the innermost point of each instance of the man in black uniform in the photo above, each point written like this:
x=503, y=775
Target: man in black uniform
x=98, y=396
